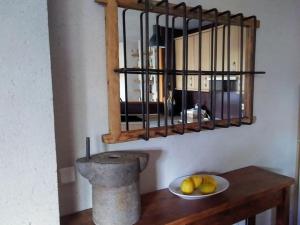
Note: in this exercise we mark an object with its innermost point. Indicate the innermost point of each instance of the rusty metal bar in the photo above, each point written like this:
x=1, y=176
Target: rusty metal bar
x=191, y=72
x=157, y=65
x=199, y=115
x=147, y=70
x=240, y=15
x=184, y=68
x=228, y=13
x=142, y=66
x=125, y=66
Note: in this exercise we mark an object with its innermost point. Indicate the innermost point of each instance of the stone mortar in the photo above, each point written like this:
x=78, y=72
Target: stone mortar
x=115, y=180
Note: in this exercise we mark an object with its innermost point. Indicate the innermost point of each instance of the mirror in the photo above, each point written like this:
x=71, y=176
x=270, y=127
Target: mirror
x=174, y=91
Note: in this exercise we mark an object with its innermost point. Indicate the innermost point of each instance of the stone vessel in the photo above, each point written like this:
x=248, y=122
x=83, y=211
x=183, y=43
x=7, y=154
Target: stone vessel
x=115, y=185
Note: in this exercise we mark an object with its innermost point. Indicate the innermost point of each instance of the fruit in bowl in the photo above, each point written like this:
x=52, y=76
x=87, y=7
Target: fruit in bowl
x=206, y=184
x=207, y=179
x=197, y=179
x=208, y=188
x=187, y=186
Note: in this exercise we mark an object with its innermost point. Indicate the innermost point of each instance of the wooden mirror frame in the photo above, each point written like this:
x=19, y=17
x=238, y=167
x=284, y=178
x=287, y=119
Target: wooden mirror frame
x=116, y=134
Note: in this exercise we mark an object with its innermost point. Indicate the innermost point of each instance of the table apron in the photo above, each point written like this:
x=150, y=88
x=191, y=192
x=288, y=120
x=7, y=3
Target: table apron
x=241, y=211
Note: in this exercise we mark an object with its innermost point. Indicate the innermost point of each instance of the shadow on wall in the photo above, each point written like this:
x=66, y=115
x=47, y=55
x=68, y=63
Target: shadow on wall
x=69, y=83
x=148, y=178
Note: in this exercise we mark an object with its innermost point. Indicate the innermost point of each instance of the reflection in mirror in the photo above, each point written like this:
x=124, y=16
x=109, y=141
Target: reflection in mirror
x=135, y=58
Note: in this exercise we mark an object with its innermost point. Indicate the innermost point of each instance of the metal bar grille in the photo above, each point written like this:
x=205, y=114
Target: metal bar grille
x=241, y=18
x=157, y=65
x=181, y=72
x=199, y=9
x=142, y=66
x=125, y=66
x=147, y=135
x=170, y=70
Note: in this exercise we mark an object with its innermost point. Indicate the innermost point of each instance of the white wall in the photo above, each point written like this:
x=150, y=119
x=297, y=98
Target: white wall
x=28, y=187
x=78, y=55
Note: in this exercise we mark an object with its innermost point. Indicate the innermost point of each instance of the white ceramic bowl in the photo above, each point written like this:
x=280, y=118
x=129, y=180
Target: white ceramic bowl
x=174, y=187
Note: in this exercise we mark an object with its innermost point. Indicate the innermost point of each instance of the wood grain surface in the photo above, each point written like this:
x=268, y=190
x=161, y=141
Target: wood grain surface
x=252, y=190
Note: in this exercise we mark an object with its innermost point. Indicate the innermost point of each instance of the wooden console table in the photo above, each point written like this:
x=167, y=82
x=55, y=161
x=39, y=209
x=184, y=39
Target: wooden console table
x=252, y=190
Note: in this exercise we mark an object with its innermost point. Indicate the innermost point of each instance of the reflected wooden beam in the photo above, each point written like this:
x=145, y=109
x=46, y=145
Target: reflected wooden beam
x=133, y=4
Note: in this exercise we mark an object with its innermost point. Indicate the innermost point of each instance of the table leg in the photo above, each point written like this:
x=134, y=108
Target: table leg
x=282, y=210
x=250, y=220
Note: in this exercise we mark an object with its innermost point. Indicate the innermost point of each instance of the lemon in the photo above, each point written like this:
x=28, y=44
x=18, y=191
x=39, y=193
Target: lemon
x=197, y=179
x=187, y=186
x=207, y=188
x=207, y=179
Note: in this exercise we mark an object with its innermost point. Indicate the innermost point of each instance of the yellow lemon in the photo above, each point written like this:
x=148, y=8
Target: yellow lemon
x=207, y=188
x=207, y=179
x=197, y=179
x=187, y=186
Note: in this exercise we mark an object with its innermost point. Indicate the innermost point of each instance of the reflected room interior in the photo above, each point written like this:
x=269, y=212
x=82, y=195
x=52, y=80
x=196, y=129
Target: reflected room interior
x=198, y=90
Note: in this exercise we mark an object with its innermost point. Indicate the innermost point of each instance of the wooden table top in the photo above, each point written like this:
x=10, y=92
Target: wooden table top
x=162, y=207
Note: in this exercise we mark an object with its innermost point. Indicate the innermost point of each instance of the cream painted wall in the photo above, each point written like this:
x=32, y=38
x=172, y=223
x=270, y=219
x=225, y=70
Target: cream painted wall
x=28, y=187
x=78, y=54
